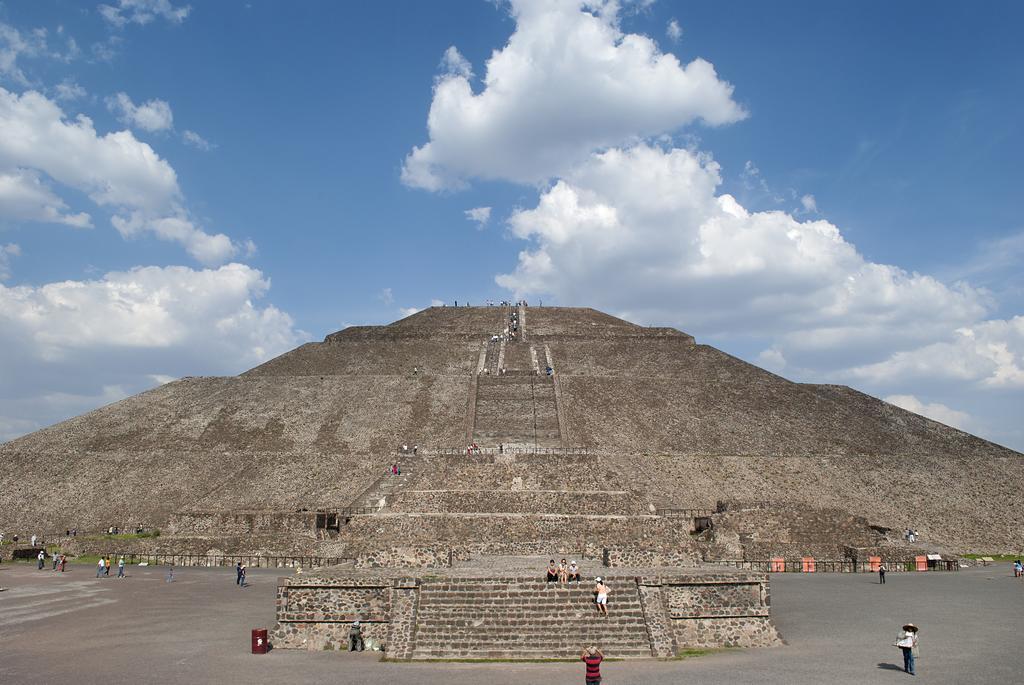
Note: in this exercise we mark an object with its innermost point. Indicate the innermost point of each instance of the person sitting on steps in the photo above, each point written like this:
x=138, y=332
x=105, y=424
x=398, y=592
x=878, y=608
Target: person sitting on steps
x=552, y=572
x=574, y=573
x=563, y=572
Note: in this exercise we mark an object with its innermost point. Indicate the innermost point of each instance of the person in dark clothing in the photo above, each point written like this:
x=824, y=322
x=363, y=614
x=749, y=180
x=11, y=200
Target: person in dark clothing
x=238, y=573
x=355, y=638
x=881, y=574
x=552, y=576
x=592, y=657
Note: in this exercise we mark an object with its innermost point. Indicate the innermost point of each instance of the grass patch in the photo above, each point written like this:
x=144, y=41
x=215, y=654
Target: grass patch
x=996, y=557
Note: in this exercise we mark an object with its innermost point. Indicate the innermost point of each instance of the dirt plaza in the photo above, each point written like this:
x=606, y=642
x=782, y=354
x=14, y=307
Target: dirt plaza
x=73, y=627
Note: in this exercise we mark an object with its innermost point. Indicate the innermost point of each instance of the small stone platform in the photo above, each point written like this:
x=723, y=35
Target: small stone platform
x=501, y=611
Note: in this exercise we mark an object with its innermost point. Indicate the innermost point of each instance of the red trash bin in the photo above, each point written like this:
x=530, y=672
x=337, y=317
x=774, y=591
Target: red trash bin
x=259, y=640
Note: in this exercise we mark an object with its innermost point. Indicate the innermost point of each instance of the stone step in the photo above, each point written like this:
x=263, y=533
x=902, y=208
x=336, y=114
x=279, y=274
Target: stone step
x=570, y=652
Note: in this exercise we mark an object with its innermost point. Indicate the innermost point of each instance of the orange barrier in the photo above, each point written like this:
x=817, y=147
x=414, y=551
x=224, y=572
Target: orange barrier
x=876, y=563
x=777, y=565
x=808, y=564
x=921, y=562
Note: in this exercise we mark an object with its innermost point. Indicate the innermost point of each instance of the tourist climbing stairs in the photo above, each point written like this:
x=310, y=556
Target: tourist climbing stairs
x=524, y=618
x=376, y=497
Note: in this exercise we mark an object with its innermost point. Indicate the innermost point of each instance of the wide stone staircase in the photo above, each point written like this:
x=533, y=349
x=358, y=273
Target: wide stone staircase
x=516, y=409
x=520, y=618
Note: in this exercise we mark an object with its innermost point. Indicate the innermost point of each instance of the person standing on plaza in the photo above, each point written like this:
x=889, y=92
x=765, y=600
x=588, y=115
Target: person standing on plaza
x=120, y=567
x=63, y=562
x=238, y=573
x=106, y=570
x=907, y=642
x=42, y=559
x=592, y=657
x=881, y=574
x=56, y=558
x=99, y=568
x=242, y=579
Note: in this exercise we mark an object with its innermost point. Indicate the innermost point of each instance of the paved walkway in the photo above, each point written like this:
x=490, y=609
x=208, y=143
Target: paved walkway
x=76, y=629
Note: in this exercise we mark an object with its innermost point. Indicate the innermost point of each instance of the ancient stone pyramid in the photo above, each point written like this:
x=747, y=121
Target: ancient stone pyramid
x=631, y=421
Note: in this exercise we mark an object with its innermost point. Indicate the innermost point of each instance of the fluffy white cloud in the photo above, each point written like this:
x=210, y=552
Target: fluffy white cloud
x=479, y=215
x=642, y=231
x=143, y=12
x=152, y=115
x=407, y=311
x=6, y=252
x=15, y=44
x=674, y=31
x=73, y=345
x=935, y=410
x=24, y=197
x=454, y=64
x=68, y=90
x=195, y=140
x=569, y=81
x=115, y=170
x=989, y=353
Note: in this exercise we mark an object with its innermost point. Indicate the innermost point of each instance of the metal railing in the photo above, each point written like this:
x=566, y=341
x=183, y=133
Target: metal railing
x=489, y=451
x=837, y=565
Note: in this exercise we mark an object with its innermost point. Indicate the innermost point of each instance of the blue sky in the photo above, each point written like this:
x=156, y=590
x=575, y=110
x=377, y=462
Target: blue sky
x=869, y=153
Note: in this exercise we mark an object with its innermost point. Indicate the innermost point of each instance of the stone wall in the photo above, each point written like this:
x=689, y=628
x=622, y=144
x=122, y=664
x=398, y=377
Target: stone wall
x=635, y=557
x=520, y=502
x=316, y=613
x=727, y=611
x=680, y=611
x=240, y=523
x=405, y=557
x=388, y=529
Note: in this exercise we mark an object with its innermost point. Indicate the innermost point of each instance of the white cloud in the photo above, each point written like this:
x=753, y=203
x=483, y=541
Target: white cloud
x=568, y=81
x=195, y=140
x=454, y=64
x=68, y=90
x=6, y=252
x=642, y=232
x=152, y=115
x=13, y=45
x=73, y=345
x=386, y=296
x=674, y=31
x=143, y=12
x=808, y=204
x=407, y=311
x=935, y=411
x=114, y=170
x=479, y=215
x=988, y=353
x=24, y=197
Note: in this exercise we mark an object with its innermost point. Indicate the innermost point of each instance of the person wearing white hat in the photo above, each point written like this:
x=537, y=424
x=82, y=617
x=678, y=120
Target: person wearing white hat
x=574, y=572
x=601, y=595
x=907, y=642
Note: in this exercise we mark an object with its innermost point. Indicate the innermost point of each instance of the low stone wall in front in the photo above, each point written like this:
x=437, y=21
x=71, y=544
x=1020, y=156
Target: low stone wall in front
x=681, y=611
x=635, y=557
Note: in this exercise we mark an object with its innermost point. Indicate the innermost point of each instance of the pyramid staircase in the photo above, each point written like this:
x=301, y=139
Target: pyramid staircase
x=518, y=618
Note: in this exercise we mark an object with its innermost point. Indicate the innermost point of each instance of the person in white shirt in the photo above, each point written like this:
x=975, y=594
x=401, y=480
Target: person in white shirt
x=99, y=567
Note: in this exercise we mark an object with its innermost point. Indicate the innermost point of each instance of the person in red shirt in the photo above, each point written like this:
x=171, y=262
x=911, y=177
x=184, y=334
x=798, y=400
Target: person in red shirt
x=592, y=657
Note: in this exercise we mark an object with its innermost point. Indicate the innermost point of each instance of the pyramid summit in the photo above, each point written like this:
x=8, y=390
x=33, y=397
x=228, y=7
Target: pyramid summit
x=574, y=412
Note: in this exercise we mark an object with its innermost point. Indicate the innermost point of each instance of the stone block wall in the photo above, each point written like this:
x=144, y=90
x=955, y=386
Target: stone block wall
x=405, y=557
x=651, y=558
x=519, y=502
x=725, y=611
x=370, y=532
x=315, y=613
x=680, y=611
x=242, y=523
